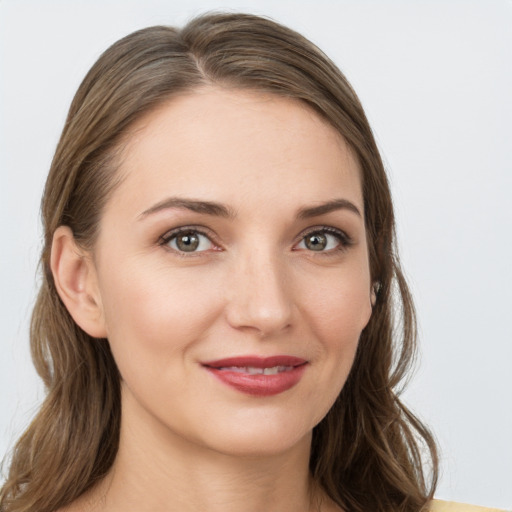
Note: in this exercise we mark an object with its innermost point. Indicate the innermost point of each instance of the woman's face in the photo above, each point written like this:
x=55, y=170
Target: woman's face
x=236, y=235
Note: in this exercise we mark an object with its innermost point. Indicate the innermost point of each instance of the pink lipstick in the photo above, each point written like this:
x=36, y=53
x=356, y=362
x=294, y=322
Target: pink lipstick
x=258, y=376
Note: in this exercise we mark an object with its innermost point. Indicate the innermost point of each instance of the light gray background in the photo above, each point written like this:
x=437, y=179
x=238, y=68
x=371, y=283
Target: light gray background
x=435, y=78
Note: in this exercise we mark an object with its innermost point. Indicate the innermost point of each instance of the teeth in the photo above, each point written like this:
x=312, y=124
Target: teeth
x=251, y=370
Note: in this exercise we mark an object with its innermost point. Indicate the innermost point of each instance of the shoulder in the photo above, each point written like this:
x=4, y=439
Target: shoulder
x=451, y=506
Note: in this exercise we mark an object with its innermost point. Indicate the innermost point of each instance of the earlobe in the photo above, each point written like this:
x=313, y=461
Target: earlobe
x=374, y=292
x=75, y=279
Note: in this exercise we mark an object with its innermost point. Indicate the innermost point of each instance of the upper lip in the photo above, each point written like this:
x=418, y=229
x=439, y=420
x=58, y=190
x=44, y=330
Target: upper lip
x=256, y=361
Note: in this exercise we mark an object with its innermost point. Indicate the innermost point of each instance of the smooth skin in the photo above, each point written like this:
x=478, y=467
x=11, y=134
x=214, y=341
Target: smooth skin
x=263, y=271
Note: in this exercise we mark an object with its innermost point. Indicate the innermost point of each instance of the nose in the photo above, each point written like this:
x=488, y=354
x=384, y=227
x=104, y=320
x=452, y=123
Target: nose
x=259, y=295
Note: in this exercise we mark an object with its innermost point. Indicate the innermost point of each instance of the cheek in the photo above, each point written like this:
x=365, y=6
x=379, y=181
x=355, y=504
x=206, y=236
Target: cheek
x=337, y=310
x=154, y=315
x=338, y=306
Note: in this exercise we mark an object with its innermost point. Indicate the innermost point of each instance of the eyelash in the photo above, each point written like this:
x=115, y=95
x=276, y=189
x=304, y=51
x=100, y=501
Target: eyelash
x=344, y=240
x=165, y=239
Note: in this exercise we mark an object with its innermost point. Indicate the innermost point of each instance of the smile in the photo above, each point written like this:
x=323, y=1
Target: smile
x=258, y=376
x=252, y=370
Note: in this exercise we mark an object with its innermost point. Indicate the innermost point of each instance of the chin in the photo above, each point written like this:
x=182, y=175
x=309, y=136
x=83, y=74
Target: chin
x=259, y=433
x=257, y=443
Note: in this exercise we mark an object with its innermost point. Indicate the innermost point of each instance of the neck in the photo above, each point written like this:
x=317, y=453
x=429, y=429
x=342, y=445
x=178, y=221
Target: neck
x=159, y=471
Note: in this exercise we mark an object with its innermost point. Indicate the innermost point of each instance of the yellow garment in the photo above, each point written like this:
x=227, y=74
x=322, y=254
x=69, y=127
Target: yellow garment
x=451, y=506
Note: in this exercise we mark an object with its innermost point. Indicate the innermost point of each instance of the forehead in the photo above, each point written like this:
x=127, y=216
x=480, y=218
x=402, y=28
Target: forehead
x=240, y=147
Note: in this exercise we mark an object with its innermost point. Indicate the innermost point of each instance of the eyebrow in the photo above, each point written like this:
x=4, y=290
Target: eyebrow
x=198, y=206
x=221, y=210
x=330, y=206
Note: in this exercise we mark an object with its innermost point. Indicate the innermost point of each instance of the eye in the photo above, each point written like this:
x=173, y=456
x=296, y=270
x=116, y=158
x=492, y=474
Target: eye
x=187, y=240
x=324, y=240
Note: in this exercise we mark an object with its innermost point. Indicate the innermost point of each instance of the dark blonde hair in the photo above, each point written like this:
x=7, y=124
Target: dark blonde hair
x=370, y=453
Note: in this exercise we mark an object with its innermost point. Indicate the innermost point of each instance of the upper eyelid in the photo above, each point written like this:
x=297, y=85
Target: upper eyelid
x=328, y=229
x=314, y=229
x=202, y=230
x=208, y=232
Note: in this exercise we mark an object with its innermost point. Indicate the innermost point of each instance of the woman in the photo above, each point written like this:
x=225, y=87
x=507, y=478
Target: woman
x=218, y=322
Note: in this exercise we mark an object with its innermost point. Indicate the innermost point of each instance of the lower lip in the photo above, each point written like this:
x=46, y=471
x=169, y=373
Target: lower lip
x=259, y=385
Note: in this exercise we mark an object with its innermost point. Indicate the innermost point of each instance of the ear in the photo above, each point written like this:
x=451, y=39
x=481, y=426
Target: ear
x=374, y=292
x=75, y=278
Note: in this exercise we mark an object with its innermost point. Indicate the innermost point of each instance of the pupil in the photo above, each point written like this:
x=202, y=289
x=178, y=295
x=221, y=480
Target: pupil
x=188, y=242
x=316, y=242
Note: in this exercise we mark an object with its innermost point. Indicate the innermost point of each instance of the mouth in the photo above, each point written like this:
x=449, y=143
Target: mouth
x=252, y=370
x=258, y=376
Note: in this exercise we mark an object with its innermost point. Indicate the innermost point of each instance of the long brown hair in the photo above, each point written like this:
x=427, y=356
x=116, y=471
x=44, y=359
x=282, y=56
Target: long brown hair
x=370, y=453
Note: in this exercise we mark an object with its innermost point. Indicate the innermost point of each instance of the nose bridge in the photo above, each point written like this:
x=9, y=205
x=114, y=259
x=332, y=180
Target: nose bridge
x=260, y=297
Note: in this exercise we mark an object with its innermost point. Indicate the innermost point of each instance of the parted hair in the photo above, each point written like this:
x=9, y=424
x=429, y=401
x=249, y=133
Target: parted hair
x=370, y=453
